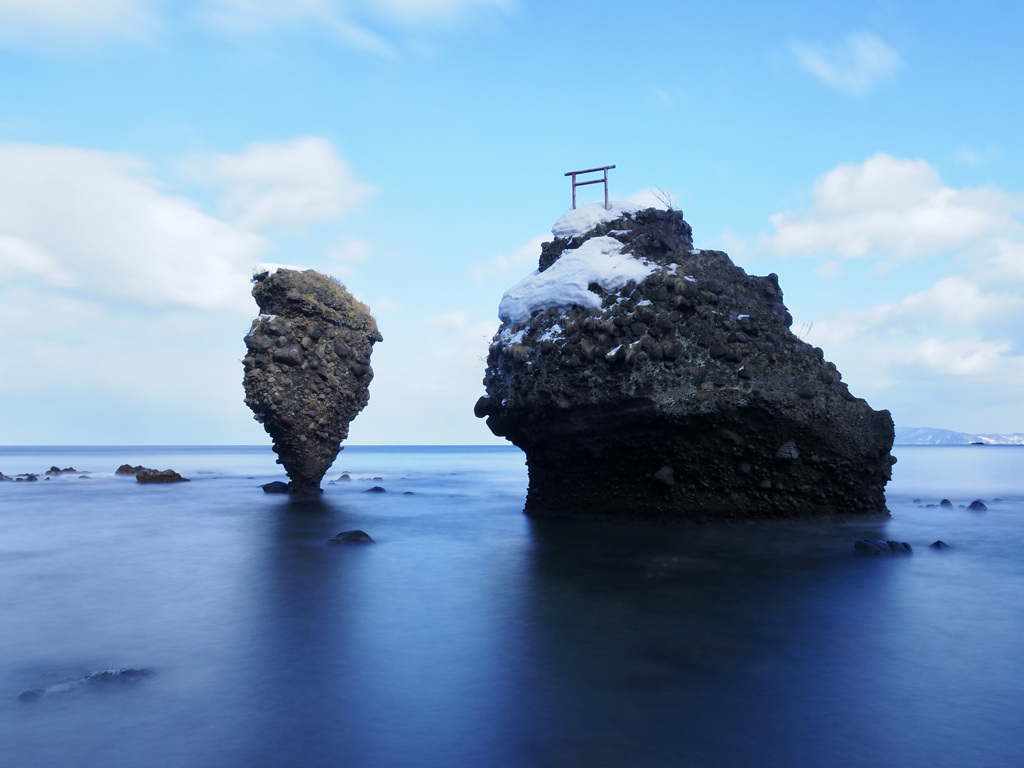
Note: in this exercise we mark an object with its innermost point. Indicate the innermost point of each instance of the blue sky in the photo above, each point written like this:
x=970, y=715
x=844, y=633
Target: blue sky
x=152, y=153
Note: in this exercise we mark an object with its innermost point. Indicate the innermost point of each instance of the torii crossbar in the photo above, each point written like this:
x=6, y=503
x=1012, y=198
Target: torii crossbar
x=604, y=181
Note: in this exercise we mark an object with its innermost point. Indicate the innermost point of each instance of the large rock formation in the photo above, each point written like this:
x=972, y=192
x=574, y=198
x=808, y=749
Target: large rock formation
x=644, y=378
x=307, y=368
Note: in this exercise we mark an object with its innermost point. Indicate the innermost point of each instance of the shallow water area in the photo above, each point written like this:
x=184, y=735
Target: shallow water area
x=468, y=634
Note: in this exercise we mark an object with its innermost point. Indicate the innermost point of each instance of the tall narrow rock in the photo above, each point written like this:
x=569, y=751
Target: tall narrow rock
x=307, y=368
x=645, y=378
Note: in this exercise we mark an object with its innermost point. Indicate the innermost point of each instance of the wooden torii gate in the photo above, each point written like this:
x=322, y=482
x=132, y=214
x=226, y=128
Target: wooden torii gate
x=604, y=181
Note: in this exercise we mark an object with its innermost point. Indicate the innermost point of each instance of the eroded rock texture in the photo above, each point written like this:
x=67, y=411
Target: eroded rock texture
x=307, y=368
x=682, y=394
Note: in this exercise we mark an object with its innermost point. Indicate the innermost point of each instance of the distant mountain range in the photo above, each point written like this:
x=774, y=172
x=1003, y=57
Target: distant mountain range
x=929, y=436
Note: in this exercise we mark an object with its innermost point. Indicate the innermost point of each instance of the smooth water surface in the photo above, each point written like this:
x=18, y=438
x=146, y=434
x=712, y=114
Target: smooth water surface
x=470, y=635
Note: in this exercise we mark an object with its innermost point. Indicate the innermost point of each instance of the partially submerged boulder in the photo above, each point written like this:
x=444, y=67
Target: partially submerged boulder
x=307, y=368
x=152, y=476
x=645, y=378
x=879, y=547
x=128, y=469
x=351, y=537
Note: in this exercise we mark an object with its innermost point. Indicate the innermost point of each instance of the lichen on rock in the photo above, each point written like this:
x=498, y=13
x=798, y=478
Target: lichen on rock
x=307, y=368
x=650, y=379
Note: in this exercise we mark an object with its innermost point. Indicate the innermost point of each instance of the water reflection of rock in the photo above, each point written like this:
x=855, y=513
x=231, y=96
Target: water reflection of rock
x=649, y=641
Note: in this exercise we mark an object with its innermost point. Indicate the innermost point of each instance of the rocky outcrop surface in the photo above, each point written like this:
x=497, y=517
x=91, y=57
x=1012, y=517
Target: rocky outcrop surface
x=642, y=377
x=307, y=368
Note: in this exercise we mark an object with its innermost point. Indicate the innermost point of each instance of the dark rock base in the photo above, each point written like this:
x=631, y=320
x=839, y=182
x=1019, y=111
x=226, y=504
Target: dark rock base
x=741, y=465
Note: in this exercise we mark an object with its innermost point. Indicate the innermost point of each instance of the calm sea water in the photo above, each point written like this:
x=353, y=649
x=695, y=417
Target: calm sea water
x=470, y=635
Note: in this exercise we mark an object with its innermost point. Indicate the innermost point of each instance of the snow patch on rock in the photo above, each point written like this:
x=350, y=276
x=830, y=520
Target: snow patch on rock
x=587, y=217
x=566, y=282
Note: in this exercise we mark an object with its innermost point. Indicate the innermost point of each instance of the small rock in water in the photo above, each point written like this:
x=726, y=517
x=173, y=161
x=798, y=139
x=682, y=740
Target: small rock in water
x=940, y=544
x=977, y=506
x=375, y=489
x=946, y=503
x=123, y=675
x=275, y=487
x=352, y=537
x=345, y=476
x=163, y=476
x=55, y=470
x=128, y=469
x=879, y=547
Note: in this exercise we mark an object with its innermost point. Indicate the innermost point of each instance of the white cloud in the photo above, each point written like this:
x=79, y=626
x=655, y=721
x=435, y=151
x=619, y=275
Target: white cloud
x=893, y=206
x=1006, y=261
x=830, y=271
x=350, y=251
x=449, y=321
x=284, y=184
x=653, y=197
x=522, y=259
x=959, y=357
x=969, y=156
x=854, y=66
x=35, y=23
x=956, y=302
x=27, y=258
x=957, y=318
x=954, y=299
x=97, y=221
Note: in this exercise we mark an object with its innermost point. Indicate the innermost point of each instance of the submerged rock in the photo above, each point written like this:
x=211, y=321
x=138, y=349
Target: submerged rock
x=102, y=677
x=879, y=547
x=351, y=537
x=307, y=368
x=642, y=377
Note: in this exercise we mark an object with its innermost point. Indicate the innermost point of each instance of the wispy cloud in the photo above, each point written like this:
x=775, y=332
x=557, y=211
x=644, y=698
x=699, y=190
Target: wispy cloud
x=355, y=24
x=263, y=16
x=361, y=24
x=856, y=65
x=52, y=23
